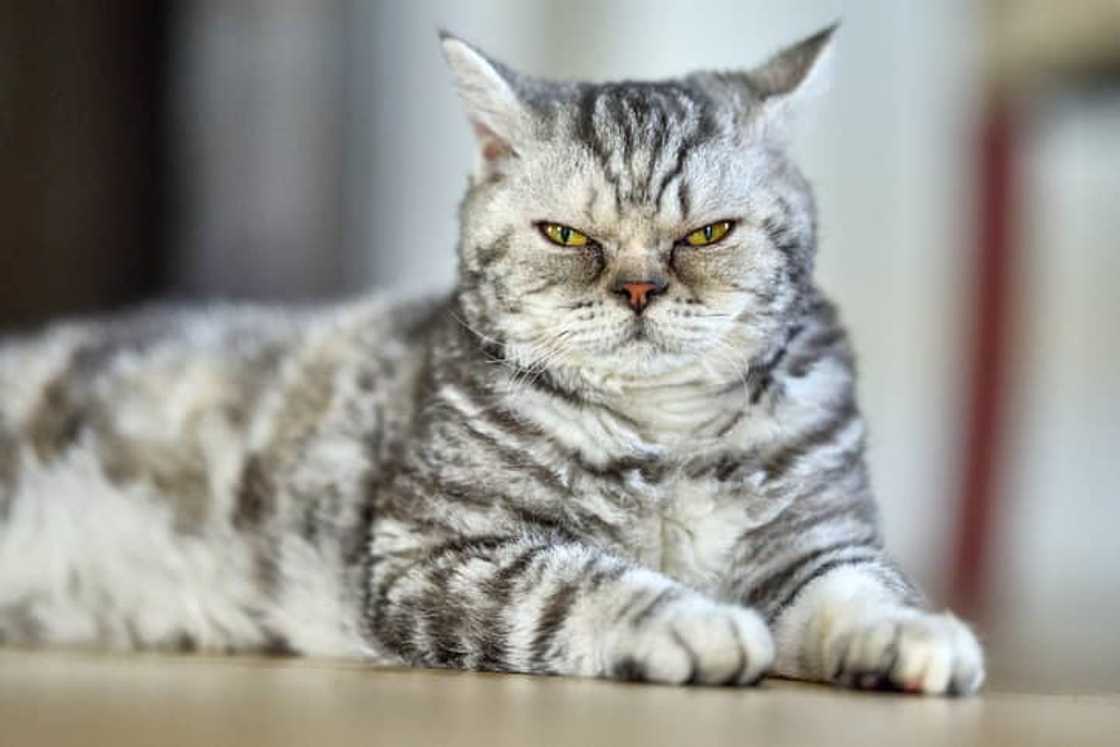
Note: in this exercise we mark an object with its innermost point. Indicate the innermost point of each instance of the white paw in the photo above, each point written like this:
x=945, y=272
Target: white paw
x=695, y=641
x=905, y=650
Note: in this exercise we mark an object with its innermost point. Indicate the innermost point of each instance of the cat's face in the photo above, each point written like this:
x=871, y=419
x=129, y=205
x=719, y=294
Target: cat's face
x=632, y=228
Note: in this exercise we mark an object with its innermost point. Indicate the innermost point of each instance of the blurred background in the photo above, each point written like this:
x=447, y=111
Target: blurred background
x=967, y=166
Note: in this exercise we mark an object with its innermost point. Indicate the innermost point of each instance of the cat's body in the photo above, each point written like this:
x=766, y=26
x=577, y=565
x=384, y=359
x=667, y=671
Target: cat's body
x=186, y=466
x=534, y=474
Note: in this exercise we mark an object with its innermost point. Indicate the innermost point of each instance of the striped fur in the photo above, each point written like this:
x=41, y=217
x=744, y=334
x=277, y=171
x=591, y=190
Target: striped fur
x=522, y=476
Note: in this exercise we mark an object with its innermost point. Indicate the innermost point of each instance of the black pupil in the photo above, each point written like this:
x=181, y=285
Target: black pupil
x=565, y=234
x=708, y=233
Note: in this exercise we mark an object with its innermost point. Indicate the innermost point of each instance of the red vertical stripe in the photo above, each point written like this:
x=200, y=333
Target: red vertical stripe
x=988, y=365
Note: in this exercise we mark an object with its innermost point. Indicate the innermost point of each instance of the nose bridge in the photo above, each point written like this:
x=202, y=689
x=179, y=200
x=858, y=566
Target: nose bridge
x=638, y=261
x=639, y=274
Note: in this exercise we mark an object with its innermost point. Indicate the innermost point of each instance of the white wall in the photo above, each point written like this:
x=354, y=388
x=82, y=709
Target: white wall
x=256, y=96
x=1055, y=584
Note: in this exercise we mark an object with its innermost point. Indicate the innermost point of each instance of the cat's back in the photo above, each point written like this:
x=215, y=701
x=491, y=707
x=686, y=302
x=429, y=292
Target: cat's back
x=178, y=380
x=130, y=444
x=141, y=373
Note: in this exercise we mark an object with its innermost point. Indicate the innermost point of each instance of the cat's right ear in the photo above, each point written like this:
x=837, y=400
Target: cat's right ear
x=487, y=88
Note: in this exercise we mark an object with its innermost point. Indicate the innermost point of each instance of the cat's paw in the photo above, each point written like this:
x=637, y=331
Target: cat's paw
x=692, y=641
x=906, y=650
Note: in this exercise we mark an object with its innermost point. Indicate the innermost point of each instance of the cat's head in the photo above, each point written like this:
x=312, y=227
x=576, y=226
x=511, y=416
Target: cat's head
x=633, y=228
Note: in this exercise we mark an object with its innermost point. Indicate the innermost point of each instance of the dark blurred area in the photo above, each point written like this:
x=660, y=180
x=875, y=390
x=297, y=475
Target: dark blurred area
x=966, y=160
x=84, y=163
x=173, y=149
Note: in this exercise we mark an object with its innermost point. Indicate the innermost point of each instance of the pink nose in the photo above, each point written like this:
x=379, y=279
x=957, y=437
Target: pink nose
x=639, y=294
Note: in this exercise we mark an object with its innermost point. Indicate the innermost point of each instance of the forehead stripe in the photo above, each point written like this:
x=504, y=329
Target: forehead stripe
x=616, y=121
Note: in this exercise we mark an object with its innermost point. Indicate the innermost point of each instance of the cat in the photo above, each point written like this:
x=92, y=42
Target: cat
x=626, y=445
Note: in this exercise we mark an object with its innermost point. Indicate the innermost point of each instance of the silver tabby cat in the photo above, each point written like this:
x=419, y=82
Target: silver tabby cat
x=626, y=445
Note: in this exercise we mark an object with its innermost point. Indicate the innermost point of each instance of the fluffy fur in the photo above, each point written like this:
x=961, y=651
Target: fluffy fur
x=527, y=475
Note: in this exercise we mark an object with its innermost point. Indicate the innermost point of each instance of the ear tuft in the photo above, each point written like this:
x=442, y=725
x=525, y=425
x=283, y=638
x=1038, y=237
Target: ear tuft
x=487, y=88
x=791, y=68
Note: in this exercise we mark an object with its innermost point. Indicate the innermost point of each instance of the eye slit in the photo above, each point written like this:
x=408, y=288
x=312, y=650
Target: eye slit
x=562, y=235
x=709, y=234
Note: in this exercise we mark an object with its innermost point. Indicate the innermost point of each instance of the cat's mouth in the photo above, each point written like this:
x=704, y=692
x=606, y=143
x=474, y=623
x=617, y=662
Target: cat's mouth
x=645, y=335
x=639, y=329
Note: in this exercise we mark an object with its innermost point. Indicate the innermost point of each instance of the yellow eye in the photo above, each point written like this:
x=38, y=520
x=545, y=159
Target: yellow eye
x=563, y=235
x=709, y=234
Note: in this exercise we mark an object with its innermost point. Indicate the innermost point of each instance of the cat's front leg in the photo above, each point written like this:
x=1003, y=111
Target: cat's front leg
x=853, y=627
x=535, y=605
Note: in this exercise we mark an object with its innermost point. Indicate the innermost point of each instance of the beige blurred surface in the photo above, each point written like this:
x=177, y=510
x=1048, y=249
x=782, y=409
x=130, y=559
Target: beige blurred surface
x=67, y=698
x=1029, y=38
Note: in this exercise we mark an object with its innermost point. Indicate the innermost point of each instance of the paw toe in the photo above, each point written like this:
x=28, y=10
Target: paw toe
x=698, y=642
x=920, y=653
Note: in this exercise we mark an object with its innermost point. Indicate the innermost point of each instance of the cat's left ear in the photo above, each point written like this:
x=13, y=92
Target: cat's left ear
x=787, y=79
x=500, y=120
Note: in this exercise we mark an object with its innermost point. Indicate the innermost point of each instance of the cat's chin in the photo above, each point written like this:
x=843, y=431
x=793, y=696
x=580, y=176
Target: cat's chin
x=650, y=342
x=642, y=357
x=637, y=349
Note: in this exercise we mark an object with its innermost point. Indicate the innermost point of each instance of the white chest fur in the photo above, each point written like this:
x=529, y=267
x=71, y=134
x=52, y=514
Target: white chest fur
x=690, y=528
x=697, y=527
x=700, y=527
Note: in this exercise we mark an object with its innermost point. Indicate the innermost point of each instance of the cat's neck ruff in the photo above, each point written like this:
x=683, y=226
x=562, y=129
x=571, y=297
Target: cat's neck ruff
x=611, y=415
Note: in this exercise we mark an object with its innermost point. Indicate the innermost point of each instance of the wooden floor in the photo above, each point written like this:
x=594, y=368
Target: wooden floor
x=90, y=699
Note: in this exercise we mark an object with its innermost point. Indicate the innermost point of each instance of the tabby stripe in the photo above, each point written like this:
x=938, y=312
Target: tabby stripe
x=850, y=473
x=636, y=596
x=398, y=632
x=678, y=167
x=589, y=208
x=772, y=584
x=444, y=616
x=524, y=514
x=664, y=597
x=607, y=575
x=546, y=384
x=616, y=414
x=824, y=339
x=684, y=199
x=782, y=462
x=725, y=468
x=704, y=131
x=657, y=148
x=494, y=631
x=519, y=460
x=690, y=652
x=824, y=342
x=510, y=424
x=587, y=521
x=777, y=231
x=495, y=251
x=421, y=556
x=722, y=467
x=500, y=587
x=651, y=471
x=621, y=116
x=833, y=519
x=735, y=419
x=552, y=619
x=776, y=612
x=434, y=600
x=585, y=130
x=424, y=489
